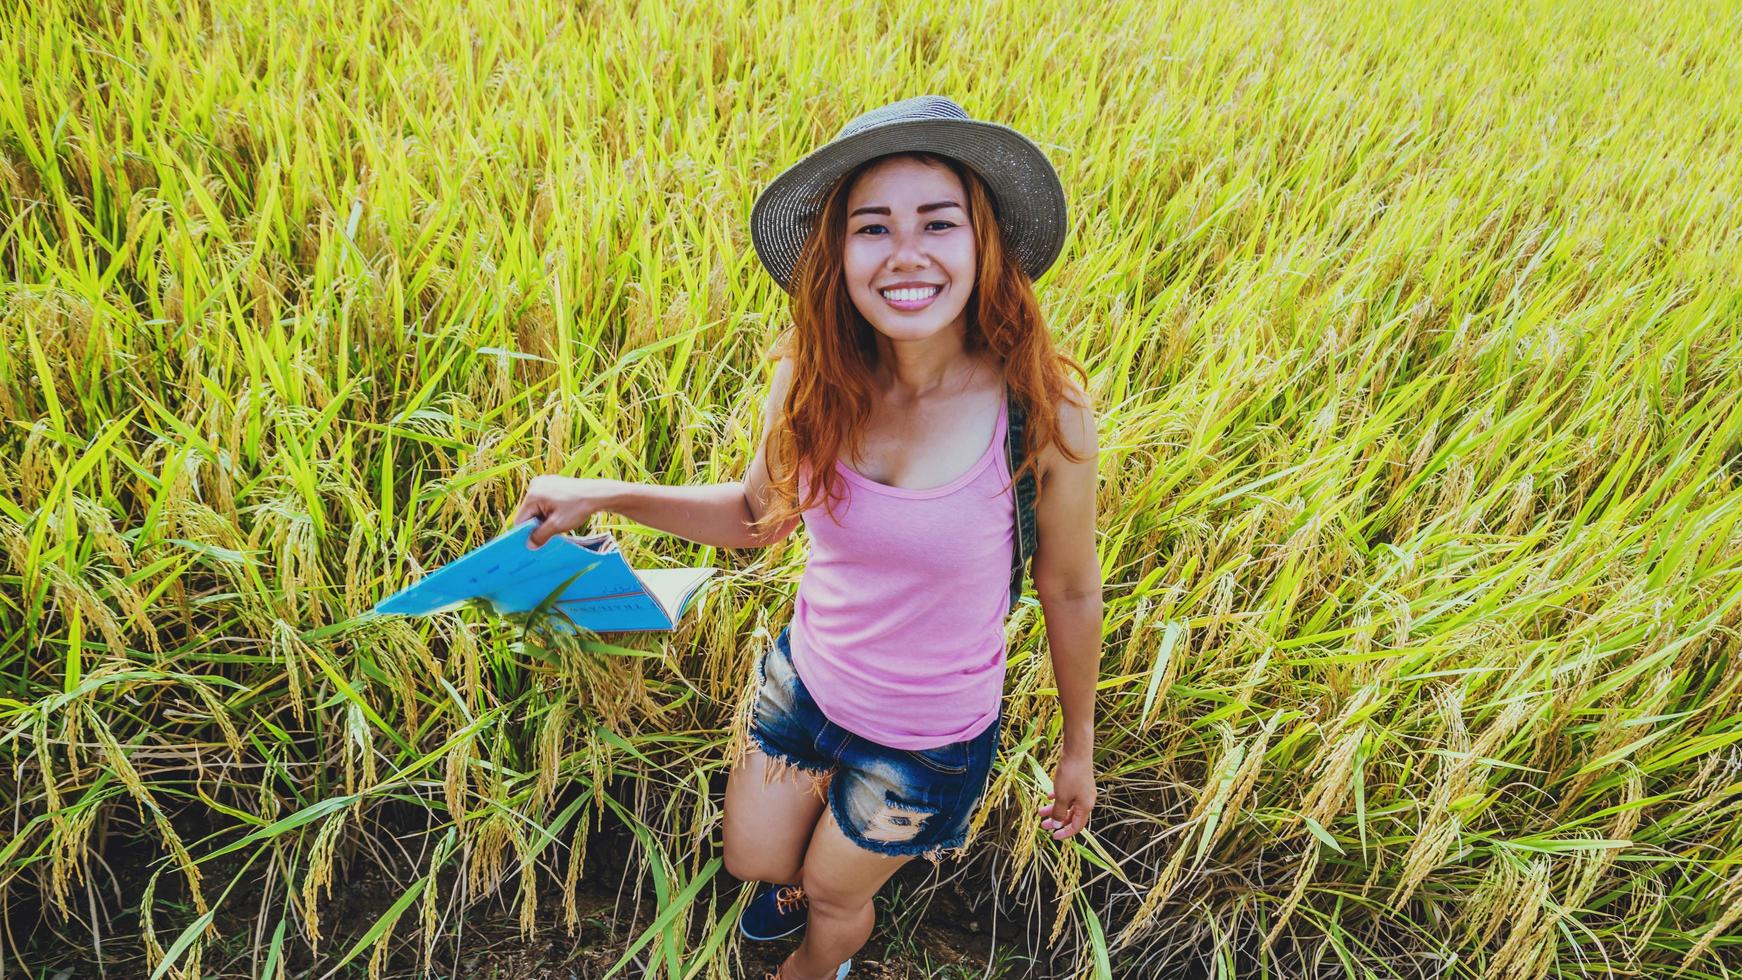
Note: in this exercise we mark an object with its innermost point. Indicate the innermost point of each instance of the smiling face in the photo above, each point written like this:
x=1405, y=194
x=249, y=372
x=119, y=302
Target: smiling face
x=909, y=257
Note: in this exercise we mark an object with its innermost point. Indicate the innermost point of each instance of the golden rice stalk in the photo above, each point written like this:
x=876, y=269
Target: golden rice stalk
x=1731, y=915
x=154, y=952
x=1486, y=907
x=1303, y=876
x=1219, y=786
x=189, y=518
x=454, y=784
x=1246, y=776
x=1000, y=788
x=1333, y=776
x=289, y=649
x=69, y=851
x=1523, y=502
x=1434, y=838
x=486, y=851
x=378, y=954
x=572, y=875
x=1529, y=926
x=463, y=654
x=1065, y=877
x=549, y=752
x=319, y=875
x=12, y=179
x=34, y=473
x=1456, y=777
x=410, y=649
x=357, y=739
x=132, y=603
x=404, y=685
x=528, y=884
x=123, y=770
x=599, y=769
x=1158, y=892
x=1221, y=609
x=219, y=715
x=100, y=527
x=71, y=592
x=1593, y=863
x=356, y=565
x=14, y=546
x=44, y=755
x=427, y=917
x=1026, y=835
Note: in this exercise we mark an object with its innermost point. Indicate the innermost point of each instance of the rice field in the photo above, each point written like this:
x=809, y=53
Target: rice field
x=1415, y=332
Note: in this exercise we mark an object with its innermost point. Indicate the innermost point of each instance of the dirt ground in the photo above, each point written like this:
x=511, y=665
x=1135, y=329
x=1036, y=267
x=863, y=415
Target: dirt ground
x=932, y=933
x=947, y=940
x=931, y=922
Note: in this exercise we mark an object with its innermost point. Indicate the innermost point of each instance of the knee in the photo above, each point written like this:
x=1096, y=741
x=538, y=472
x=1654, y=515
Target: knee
x=738, y=867
x=829, y=900
x=745, y=865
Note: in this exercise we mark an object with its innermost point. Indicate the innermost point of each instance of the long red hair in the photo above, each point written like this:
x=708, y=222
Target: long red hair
x=834, y=349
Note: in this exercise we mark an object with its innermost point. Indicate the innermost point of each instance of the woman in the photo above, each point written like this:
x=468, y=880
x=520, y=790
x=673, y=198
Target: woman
x=909, y=244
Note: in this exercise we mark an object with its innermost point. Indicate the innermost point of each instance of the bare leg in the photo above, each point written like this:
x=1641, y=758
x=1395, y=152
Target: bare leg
x=770, y=812
x=840, y=879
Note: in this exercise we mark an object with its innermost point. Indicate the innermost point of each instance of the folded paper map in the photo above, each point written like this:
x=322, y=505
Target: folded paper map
x=605, y=594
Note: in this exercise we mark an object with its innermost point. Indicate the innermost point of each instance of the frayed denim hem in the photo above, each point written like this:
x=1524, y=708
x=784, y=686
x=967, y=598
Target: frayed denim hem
x=934, y=852
x=782, y=757
x=779, y=763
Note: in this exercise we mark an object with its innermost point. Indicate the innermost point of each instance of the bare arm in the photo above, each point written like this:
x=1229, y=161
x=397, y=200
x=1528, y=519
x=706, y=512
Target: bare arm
x=715, y=514
x=1067, y=578
x=1067, y=573
x=711, y=514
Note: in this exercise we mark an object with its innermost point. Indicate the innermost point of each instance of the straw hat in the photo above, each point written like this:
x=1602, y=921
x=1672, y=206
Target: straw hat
x=1028, y=200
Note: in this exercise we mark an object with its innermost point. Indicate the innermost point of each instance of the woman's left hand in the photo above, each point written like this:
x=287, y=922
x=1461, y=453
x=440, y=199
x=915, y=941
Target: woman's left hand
x=1073, y=795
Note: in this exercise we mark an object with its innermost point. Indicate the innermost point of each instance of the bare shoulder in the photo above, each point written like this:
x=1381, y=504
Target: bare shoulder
x=783, y=371
x=759, y=495
x=1075, y=416
x=774, y=404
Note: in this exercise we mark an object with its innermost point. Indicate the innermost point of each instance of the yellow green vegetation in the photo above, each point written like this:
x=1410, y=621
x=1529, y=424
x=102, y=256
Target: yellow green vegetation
x=1415, y=332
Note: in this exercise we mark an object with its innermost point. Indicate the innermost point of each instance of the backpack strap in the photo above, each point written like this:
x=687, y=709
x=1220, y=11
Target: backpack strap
x=1024, y=492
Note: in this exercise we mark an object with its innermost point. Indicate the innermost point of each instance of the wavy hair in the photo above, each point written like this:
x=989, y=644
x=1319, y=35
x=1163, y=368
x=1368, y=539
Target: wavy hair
x=834, y=349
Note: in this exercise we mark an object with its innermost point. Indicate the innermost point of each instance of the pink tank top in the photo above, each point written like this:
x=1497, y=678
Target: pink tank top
x=898, y=627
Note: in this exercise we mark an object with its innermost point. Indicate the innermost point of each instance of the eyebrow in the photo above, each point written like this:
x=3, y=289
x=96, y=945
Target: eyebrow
x=923, y=208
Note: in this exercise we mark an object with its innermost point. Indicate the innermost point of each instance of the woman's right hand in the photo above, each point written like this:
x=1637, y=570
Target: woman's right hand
x=561, y=503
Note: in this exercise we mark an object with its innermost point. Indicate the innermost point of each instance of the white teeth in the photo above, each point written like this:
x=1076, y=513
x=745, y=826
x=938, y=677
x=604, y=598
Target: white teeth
x=908, y=295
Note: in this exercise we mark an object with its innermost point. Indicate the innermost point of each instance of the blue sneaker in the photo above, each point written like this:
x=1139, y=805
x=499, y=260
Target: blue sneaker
x=778, y=910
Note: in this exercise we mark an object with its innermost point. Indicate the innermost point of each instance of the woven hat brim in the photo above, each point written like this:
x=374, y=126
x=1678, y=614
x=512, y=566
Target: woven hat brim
x=1030, y=198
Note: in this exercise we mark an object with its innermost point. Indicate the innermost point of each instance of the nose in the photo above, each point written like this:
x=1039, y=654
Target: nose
x=909, y=252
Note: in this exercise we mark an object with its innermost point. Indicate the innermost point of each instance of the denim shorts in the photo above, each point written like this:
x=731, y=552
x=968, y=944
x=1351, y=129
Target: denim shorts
x=891, y=801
